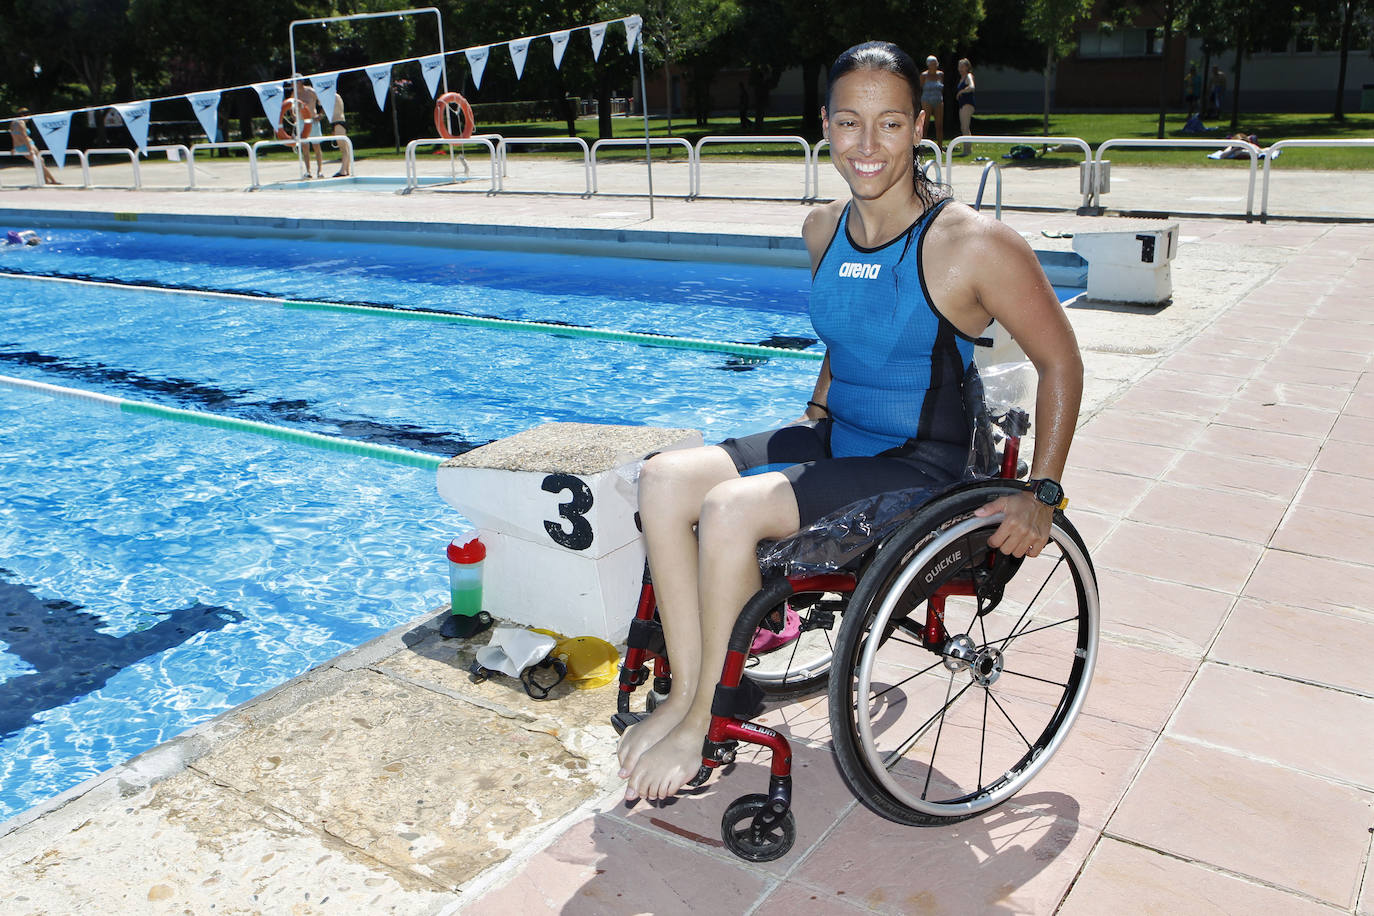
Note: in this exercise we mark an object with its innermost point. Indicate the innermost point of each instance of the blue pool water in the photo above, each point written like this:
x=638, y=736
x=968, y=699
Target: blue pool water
x=155, y=574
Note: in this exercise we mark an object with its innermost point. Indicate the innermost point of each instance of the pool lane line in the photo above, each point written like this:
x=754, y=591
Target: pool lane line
x=669, y=341
x=198, y=418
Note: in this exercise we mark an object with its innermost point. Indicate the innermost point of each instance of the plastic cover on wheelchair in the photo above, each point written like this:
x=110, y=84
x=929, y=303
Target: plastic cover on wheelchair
x=836, y=540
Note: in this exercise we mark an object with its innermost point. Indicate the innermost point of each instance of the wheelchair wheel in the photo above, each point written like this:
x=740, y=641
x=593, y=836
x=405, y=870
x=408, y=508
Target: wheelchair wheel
x=938, y=720
x=802, y=666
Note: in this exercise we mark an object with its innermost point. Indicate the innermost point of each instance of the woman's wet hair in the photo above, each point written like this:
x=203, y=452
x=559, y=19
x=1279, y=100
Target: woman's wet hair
x=884, y=55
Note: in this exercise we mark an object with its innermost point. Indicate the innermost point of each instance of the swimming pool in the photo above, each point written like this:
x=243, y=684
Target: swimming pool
x=153, y=575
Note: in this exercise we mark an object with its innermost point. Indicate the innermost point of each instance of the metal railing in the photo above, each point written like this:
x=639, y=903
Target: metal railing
x=1250, y=149
x=1027, y=141
x=1273, y=149
x=412, y=178
x=298, y=145
x=755, y=138
x=653, y=141
x=92, y=153
x=995, y=167
x=235, y=144
x=507, y=142
x=183, y=154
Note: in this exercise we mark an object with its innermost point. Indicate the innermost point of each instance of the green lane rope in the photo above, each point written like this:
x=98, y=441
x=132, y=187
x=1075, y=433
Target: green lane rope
x=753, y=351
x=297, y=437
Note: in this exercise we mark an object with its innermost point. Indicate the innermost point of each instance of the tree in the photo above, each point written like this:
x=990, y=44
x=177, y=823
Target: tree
x=1172, y=15
x=681, y=28
x=1336, y=22
x=1246, y=26
x=1051, y=23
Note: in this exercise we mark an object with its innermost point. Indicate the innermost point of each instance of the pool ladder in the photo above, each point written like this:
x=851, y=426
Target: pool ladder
x=992, y=166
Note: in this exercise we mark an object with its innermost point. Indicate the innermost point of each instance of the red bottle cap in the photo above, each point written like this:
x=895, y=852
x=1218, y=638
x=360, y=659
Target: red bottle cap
x=474, y=551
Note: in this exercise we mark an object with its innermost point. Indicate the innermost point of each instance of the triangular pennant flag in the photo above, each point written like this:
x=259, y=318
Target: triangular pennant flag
x=518, y=49
x=431, y=67
x=380, y=74
x=560, y=44
x=326, y=86
x=206, y=107
x=271, y=96
x=54, y=129
x=477, y=60
x=135, y=115
x=632, y=26
x=598, y=33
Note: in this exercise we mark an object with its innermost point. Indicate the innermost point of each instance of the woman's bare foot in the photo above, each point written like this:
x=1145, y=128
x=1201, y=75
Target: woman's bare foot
x=668, y=765
x=644, y=735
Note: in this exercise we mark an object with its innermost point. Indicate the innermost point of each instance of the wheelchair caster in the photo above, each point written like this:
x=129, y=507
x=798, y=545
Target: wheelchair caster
x=753, y=831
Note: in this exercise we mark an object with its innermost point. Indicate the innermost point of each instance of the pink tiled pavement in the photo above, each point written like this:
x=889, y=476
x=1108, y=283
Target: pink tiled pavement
x=1222, y=762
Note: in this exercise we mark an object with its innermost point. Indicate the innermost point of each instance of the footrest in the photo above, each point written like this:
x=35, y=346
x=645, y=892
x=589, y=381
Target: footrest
x=623, y=720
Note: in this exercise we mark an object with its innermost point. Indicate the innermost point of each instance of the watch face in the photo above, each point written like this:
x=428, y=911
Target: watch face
x=1049, y=492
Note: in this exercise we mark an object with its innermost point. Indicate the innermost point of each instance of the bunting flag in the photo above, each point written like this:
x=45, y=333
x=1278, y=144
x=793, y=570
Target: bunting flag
x=206, y=107
x=518, y=49
x=54, y=129
x=326, y=86
x=135, y=115
x=477, y=60
x=431, y=67
x=632, y=26
x=380, y=74
x=598, y=33
x=560, y=44
x=270, y=95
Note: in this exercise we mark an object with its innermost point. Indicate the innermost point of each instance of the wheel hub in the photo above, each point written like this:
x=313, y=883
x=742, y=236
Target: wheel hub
x=984, y=665
x=987, y=667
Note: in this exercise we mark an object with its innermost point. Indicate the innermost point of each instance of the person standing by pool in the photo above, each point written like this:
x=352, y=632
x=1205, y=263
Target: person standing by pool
x=24, y=146
x=338, y=128
x=933, y=97
x=904, y=279
x=963, y=94
x=1192, y=88
x=307, y=110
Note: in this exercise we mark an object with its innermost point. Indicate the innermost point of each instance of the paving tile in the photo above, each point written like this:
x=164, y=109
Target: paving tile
x=1294, y=394
x=1264, y=478
x=1190, y=383
x=1174, y=432
x=1337, y=491
x=1317, y=730
x=1339, y=457
x=1008, y=861
x=1323, y=647
x=1211, y=343
x=1299, y=421
x=1242, y=515
x=1311, y=582
x=1327, y=533
x=819, y=794
x=1136, y=458
x=1093, y=527
x=1359, y=405
x=1366, y=904
x=605, y=866
x=1255, y=819
x=1352, y=428
x=1137, y=685
x=1167, y=615
x=1174, y=555
x=1103, y=491
x=1257, y=444
x=1236, y=366
x=1291, y=368
x=1154, y=403
x=793, y=898
x=1121, y=878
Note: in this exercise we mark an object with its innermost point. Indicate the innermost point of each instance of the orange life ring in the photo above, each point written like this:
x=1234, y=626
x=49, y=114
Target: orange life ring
x=442, y=108
x=290, y=108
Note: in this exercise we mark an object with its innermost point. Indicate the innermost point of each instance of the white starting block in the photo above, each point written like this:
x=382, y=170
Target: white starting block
x=555, y=507
x=1128, y=261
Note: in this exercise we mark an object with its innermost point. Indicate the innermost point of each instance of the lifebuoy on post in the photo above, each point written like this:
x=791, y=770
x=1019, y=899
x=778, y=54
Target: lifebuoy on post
x=290, y=110
x=442, y=106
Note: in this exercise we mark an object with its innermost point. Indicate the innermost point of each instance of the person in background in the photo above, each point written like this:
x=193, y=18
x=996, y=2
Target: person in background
x=933, y=96
x=337, y=128
x=1192, y=88
x=1218, y=98
x=24, y=145
x=963, y=94
x=307, y=110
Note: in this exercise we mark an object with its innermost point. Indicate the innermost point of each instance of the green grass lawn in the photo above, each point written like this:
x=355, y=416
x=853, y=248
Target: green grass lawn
x=1093, y=128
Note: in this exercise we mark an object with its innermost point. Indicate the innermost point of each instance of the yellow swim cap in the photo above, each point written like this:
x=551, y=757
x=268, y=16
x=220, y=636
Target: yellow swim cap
x=591, y=662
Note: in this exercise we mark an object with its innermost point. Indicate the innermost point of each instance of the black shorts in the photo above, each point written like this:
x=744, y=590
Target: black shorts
x=821, y=483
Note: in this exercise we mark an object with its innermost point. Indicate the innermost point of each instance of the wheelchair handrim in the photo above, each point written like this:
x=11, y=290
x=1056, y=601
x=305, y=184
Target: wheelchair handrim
x=1060, y=721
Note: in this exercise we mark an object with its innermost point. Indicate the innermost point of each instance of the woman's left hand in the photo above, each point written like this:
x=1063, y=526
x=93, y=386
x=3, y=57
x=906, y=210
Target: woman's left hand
x=1025, y=528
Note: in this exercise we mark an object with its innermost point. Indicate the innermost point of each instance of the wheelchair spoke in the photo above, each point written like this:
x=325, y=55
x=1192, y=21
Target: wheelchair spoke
x=1009, y=721
x=1034, y=598
x=983, y=738
x=880, y=694
x=1034, y=678
x=1006, y=641
x=930, y=769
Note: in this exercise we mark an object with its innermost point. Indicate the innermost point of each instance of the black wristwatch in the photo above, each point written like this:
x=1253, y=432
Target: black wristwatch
x=1048, y=492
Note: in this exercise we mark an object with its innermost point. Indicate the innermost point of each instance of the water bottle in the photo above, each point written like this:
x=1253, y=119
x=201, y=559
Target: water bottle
x=465, y=556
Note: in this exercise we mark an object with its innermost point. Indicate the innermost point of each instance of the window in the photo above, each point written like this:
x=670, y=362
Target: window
x=1120, y=43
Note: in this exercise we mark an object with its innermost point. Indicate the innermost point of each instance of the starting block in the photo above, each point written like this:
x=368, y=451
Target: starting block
x=1129, y=261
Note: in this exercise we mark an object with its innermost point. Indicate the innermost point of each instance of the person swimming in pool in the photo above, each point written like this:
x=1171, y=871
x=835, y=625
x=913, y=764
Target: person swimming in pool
x=24, y=146
x=904, y=280
x=22, y=237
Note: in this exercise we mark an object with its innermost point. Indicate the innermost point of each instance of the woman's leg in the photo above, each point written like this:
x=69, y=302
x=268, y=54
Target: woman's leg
x=735, y=515
x=940, y=124
x=672, y=488
x=966, y=125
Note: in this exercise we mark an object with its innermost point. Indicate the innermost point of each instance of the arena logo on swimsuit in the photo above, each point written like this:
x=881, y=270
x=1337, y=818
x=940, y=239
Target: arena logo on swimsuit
x=860, y=271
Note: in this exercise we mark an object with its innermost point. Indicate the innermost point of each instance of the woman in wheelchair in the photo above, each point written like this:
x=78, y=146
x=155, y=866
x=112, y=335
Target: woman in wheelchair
x=904, y=282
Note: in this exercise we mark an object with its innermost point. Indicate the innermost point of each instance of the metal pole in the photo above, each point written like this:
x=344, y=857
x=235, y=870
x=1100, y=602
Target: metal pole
x=644, y=103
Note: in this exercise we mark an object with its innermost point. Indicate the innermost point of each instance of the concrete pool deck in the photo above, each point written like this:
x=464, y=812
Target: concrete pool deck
x=1222, y=763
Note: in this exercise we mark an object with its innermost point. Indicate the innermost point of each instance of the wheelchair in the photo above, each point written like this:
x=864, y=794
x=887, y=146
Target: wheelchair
x=954, y=672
